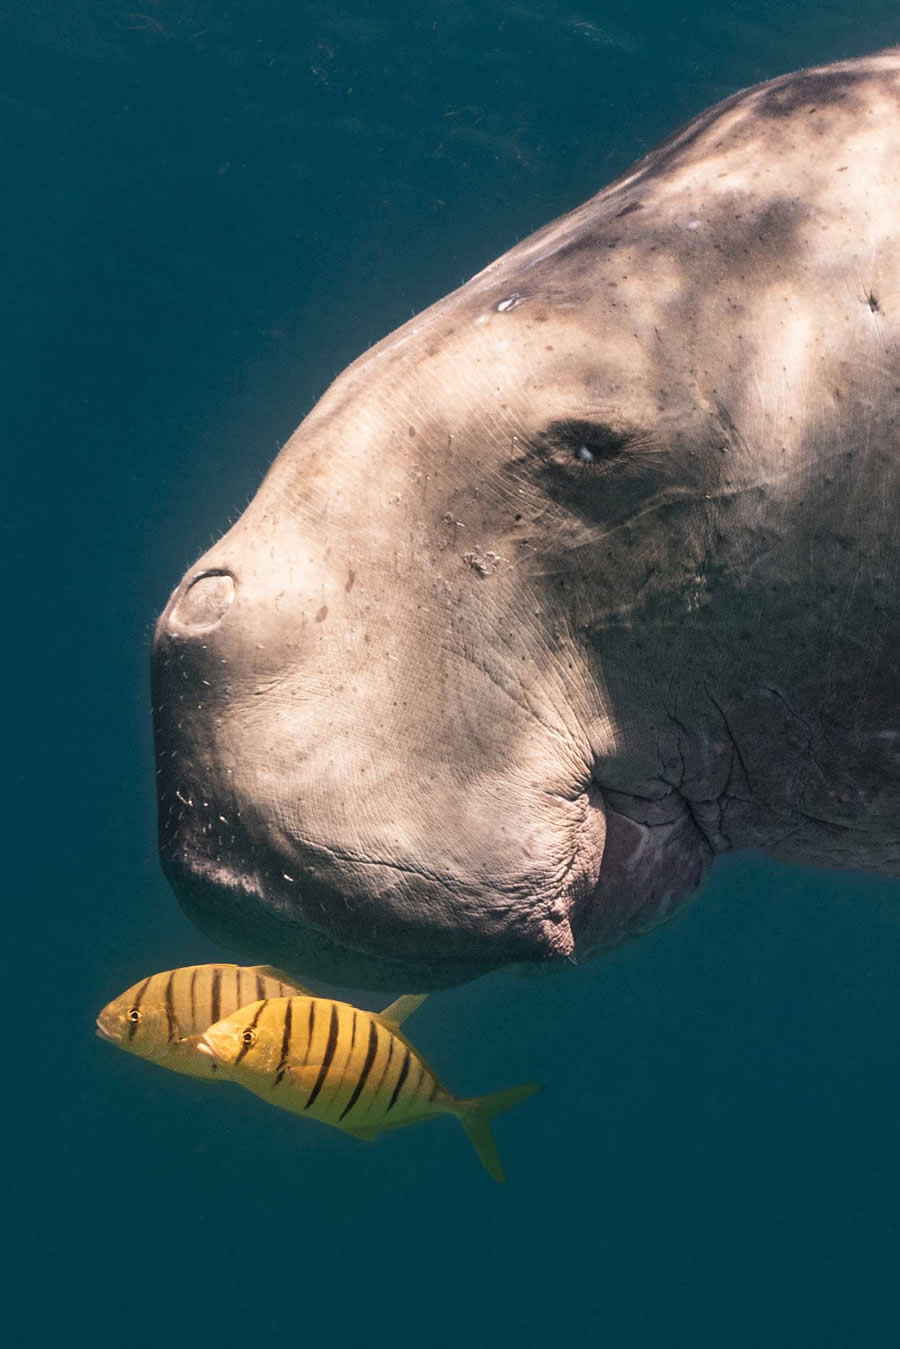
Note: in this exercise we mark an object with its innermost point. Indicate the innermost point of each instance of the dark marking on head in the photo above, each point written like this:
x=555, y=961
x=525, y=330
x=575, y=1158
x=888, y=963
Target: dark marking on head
x=248, y=1044
x=815, y=90
x=133, y=1025
x=818, y=90
x=322, y=613
x=285, y=1043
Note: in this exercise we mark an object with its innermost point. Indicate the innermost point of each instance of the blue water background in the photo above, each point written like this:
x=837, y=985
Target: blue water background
x=210, y=208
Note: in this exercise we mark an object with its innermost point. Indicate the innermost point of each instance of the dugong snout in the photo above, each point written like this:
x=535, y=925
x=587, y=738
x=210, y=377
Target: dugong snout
x=302, y=821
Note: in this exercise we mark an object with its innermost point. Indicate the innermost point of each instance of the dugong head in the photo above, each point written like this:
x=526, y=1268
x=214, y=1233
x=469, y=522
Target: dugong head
x=454, y=692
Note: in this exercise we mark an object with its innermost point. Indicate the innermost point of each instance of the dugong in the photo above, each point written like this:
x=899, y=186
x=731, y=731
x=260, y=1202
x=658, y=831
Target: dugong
x=578, y=580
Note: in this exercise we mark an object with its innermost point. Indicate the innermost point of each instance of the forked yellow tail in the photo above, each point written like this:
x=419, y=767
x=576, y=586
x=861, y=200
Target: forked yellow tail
x=475, y=1117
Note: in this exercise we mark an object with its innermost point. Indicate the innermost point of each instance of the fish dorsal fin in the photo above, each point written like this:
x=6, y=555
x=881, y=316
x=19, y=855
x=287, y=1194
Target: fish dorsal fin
x=398, y=1011
x=272, y=972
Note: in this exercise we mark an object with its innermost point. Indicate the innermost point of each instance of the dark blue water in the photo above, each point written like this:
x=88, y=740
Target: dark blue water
x=211, y=207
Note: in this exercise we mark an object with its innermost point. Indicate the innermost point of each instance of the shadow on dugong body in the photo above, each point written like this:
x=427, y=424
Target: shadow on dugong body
x=582, y=577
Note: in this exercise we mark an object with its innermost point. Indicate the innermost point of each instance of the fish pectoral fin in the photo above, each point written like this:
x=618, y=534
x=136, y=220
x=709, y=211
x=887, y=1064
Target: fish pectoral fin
x=272, y=972
x=398, y=1011
x=186, y=1042
x=190, y=1041
x=304, y=1076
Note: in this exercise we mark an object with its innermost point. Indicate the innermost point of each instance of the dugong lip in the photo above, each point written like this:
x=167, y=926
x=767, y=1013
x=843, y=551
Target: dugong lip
x=261, y=922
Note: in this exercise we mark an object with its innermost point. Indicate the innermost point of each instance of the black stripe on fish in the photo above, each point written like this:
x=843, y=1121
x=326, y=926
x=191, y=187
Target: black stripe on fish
x=400, y=1080
x=245, y=1046
x=367, y=1068
x=353, y=1034
x=194, y=999
x=387, y=1065
x=133, y=1025
x=329, y=1055
x=170, y=1008
x=285, y=1043
x=260, y=988
x=216, y=999
x=312, y=1024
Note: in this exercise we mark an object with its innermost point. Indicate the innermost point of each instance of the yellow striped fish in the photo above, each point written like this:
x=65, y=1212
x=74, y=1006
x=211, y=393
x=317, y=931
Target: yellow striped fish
x=348, y=1068
x=162, y=1017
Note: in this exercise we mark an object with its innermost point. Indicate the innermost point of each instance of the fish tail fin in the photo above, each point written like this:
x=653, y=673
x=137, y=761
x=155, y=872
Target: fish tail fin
x=475, y=1116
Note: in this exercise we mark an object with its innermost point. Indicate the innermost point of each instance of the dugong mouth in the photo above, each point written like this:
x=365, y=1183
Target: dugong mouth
x=271, y=915
x=262, y=921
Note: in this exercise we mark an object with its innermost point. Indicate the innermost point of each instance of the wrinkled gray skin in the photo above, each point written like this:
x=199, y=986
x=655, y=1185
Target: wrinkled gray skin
x=584, y=576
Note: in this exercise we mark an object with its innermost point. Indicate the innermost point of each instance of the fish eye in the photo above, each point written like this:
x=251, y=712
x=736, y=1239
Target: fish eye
x=134, y=1014
x=248, y=1037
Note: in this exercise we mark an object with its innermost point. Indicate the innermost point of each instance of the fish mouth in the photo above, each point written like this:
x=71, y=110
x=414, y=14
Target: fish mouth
x=202, y=1047
x=103, y=1034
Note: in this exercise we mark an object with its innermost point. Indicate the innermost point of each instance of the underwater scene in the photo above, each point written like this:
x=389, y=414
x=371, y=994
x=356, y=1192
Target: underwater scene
x=451, y=870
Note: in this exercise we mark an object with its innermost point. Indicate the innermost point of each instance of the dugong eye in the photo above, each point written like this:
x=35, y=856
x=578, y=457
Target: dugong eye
x=583, y=444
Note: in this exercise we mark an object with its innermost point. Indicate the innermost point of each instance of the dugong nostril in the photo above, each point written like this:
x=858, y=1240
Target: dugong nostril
x=203, y=603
